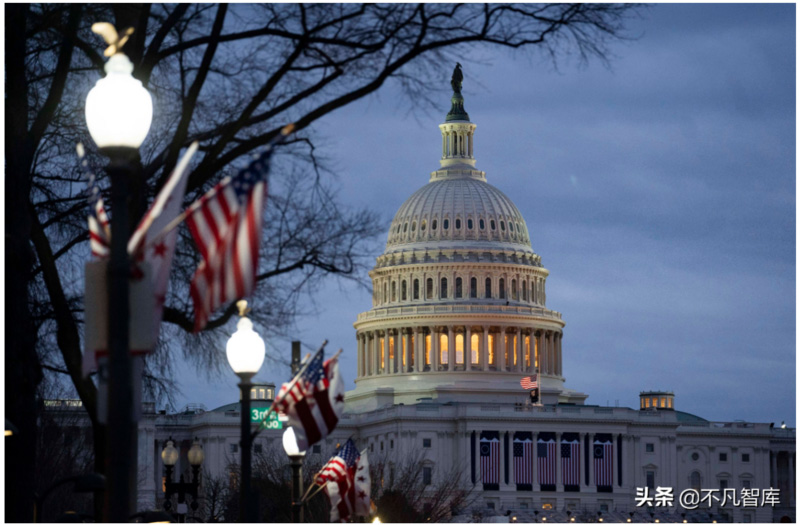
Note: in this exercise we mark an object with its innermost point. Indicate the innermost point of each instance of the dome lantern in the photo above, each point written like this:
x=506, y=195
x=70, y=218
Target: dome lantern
x=457, y=130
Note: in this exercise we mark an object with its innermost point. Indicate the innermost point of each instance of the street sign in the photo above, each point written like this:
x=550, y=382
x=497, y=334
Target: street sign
x=257, y=415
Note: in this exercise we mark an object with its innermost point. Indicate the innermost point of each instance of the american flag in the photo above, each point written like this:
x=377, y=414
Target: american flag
x=99, y=232
x=348, y=485
x=603, y=464
x=490, y=460
x=546, y=452
x=530, y=382
x=523, y=460
x=313, y=400
x=570, y=462
x=338, y=467
x=226, y=226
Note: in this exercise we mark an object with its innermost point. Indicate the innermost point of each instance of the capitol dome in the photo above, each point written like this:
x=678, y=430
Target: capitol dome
x=458, y=305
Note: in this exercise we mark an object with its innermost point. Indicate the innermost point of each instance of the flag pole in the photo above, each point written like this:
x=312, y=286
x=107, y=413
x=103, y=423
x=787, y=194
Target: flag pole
x=307, y=497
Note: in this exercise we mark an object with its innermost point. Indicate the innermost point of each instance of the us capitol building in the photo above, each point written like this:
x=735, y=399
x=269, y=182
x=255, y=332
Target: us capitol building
x=459, y=316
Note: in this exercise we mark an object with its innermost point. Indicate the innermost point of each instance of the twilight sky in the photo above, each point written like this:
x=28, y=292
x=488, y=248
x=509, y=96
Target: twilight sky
x=659, y=193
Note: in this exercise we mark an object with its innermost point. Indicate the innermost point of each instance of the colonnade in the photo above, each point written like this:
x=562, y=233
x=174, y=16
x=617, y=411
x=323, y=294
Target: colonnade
x=416, y=349
x=457, y=144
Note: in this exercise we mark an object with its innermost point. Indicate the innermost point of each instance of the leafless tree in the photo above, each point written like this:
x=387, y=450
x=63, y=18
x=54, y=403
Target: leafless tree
x=404, y=492
x=229, y=77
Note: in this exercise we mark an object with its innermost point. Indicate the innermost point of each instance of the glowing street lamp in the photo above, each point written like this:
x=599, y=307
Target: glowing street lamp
x=118, y=114
x=246, y=351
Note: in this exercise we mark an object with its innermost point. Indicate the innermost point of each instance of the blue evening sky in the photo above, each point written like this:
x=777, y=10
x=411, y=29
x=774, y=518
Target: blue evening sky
x=660, y=194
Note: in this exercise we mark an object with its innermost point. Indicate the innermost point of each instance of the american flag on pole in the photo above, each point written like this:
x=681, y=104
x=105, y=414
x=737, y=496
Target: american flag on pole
x=546, y=462
x=339, y=481
x=523, y=459
x=226, y=226
x=338, y=466
x=603, y=463
x=530, y=382
x=313, y=400
x=99, y=231
x=490, y=459
x=570, y=462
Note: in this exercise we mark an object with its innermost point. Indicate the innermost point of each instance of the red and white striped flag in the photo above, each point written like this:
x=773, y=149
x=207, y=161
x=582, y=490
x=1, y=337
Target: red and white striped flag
x=490, y=460
x=314, y=400
x=99, y=232
x=603, y=463
x=570, y=462
x=339, y=478
x=523, y=459
x=529, y=383
x=546, y=462
x=226, y=225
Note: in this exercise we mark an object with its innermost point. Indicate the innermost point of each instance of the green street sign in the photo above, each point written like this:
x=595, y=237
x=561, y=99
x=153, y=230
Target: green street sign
x=257, y=416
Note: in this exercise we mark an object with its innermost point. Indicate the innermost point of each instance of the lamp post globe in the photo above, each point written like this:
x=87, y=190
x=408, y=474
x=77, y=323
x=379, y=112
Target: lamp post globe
x=170, y=454
x=290, y=444
x=196, y=454
x=119, y=109
x=245, y=349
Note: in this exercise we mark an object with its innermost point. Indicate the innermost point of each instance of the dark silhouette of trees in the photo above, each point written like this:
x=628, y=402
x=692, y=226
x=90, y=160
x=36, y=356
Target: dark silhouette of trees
x=229, y=77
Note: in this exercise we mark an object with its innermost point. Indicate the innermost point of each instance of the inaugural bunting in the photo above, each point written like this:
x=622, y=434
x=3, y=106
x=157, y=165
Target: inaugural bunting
x=570, y=462
x=603, y=463
x=490, y=460
x=523, y=459
x=546, y=465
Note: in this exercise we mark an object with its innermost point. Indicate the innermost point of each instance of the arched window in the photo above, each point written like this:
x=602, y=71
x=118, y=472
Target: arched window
x=458, y=224
x=488, y=292
x=524, y=290
x=385, y=293
x=416, y=289
x=458, y=287
x=446, y=224
x=469, y=223
x=405, y=227
x=394, y=291
x=414, y=226
x=502, y=226
x=492, y=225
x=502, y=288
x=473, y=288
x=404, y=295
x=443, y=348
x=695, y=480
x=476, y=349
x=511, y=226
x=443, y=289
x=429, y=288
x=433, y=224
x=514, y=290
x=482, y=224
x=423, y=224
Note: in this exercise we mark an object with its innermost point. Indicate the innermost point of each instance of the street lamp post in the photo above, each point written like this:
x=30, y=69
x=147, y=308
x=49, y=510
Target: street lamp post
x=118, y=114
x=296, y=456
x=183, y=488
x=245, y=352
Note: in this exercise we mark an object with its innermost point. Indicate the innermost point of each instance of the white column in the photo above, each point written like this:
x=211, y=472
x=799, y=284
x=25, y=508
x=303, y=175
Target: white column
x=614, y=462
x=485, y=349
x=467, y=348
x=520, y=351
x=500, y=343
x=592, y=486
x=434, y=349
x=360, y=354
x=451, y=347
x=773, y=471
